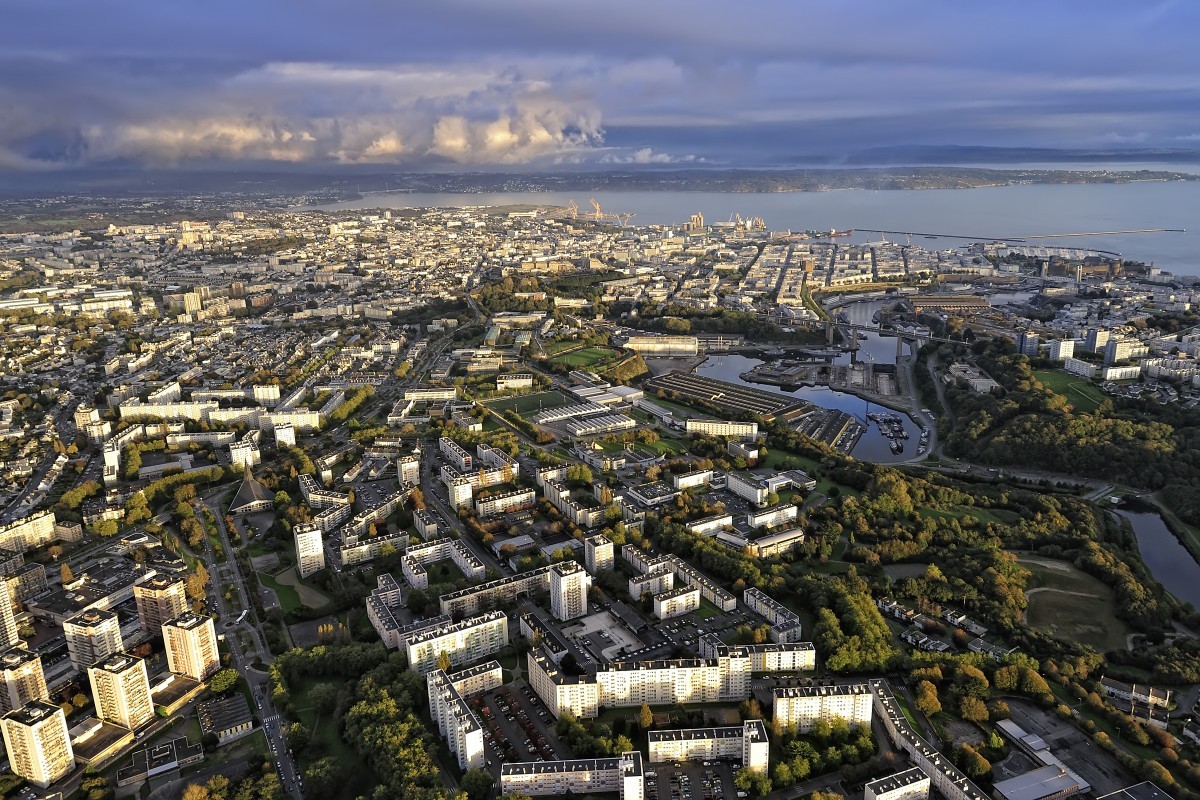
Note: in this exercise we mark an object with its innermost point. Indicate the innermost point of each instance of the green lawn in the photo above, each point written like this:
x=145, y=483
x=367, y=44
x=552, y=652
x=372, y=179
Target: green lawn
x=1080, y=393
x=707, y=610
x=587, y=357
x=1072, y=605
x=443, y=572
x=529, y=402
x=289, y=598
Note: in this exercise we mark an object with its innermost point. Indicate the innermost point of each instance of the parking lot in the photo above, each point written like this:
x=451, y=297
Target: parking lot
x=1094, y=764
x=517, y=726
x=692, y=780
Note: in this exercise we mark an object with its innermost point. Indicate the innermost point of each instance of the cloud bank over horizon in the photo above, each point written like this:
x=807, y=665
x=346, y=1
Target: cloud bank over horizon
x=483, y=85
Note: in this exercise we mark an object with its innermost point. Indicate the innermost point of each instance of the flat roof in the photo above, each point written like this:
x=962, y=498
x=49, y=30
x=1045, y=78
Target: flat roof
x=1146, y=790
x=890, y=783
x=1036, y=784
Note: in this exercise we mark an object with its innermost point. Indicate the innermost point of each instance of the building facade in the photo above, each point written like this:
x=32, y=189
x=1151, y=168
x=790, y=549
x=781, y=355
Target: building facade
x=121, y=691
x=39, y=747
x=191, y=644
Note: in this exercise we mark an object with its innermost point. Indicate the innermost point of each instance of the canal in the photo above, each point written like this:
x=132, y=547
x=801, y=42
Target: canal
x=1168, y=561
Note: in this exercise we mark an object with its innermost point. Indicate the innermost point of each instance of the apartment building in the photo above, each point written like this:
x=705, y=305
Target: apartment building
x=654, y=583
x=38, y=744
x=569, y=585
x=159, y=599
x=310, y=549
x=767, y=657
x=911, y=784
x=944, y=776
x=23, y=679
x=417, y=556
x=623, y=775
x=598, y=552
x=710, y=526
x=455, y=720
x=802, y=706
x=463, y=642
x=722, y=427
x=426, y=523
x=746, y=743
x=92, y=636
x=497, y=504
x=785, y=623
x=121, y=691
x=28, y=533
x=459, y=458
x=471, y=599
x=772, y=517
x=677, y=602
x=191, y=644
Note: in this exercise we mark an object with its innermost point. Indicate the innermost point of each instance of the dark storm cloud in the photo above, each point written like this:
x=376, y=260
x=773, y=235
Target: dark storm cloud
x=369, y=81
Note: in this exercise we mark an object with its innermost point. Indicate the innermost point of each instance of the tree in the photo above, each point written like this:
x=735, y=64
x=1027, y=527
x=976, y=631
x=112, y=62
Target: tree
x=324, y=778
x=195, y=791
x=443, y=661
x=105, y=527
x=927, y=699
x=324, y=697
x=65, y=572
x=972, y=763
x=196, y=582
x=298, y=736
x=55, y=551
x=645, y=717
x=972, y=709
x=477, y=783
x=223, y=681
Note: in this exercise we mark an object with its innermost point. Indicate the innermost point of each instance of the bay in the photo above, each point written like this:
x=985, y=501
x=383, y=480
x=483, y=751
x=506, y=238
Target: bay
x=1001, y=212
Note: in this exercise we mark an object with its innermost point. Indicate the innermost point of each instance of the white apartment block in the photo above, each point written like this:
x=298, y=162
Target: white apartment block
x=463, y=642
x=569, y=585
x=158, y=600
x=772, y=517
x=28, y=533
x=710, y=526
x=455, y=720
x=458, y=457
x=191, y=644
x=911, y=784
x=471, y=599
x=691, y=480
x=121, y=691
x=22, y=680
x=598, y=553
x=244, y=454
x=357, y=550
x=310, y=549
x=417, y=556
x=92, y=636
x=1060, y=350
x=748, y=488
x=772, y=657
x=426, y=523
x=747, y=744
x=38, y=744
x=502, y=503
x=622, y=775
x=653, y=582
x=948, y=779
x=722, y=427
x=409, y=468
x=785, y=623
x=677, y=602
x=801, y=706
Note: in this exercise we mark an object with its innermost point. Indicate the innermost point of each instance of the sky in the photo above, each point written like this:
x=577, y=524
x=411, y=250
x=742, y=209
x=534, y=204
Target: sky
x=521, y=84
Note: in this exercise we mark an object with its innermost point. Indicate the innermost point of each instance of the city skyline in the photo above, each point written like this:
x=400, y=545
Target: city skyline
x=465, y=84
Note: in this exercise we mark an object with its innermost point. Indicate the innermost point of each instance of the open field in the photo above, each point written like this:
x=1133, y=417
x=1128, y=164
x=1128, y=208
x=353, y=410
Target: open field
x=1079, y=393
x=1072, y=605
x=529, y=402
x=308, y=595
x=586, y=357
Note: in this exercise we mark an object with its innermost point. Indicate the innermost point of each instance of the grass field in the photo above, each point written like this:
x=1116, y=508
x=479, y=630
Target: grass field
x=1079, y=393
x=530, y=402
x=707, y=609
x=444, y=572
x=1072, y=605
x=587, y=357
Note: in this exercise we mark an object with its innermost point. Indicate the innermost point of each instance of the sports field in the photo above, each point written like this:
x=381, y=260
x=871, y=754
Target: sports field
x=587, y=357
x=530, y=402
x=1080, y=393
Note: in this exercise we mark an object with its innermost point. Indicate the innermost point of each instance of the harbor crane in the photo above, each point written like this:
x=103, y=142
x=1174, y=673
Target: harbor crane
x=599, y=215
x=573, y=210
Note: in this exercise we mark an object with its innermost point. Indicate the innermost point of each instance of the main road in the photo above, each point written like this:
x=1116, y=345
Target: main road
x=230, y=573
